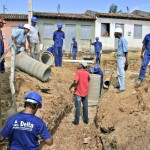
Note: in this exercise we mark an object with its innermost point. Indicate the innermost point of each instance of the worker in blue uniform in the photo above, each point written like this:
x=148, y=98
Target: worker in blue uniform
x=2, y=63
x=23, y=129
x=51, y=49
x=97, y=70
x=98, y=49
x=145, y=56
x=58, y=37
x=74, y=48
x=21, y=26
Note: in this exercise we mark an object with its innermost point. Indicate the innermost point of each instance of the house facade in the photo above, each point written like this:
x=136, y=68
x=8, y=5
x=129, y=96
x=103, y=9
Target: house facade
x=134, y=29
x=80, y=26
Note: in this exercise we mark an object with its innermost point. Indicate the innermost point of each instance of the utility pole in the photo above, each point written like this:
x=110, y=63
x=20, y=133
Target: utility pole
x=4, y=8
x=30, y=12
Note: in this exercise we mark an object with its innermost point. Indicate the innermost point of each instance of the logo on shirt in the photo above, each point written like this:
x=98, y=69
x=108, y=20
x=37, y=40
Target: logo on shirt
x=28, y=126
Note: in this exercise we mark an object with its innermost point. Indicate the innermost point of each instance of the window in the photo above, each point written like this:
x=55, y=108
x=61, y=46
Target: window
x=105, y=29
x=137, y=31
x=48, y=30
x=86, y=32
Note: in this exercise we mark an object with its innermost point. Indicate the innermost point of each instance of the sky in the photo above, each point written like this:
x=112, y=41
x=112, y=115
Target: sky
x=72, y=6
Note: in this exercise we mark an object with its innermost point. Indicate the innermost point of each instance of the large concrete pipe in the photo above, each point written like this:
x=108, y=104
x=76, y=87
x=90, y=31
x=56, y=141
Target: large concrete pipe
x=32, y=66
x=46, y=57
x=94, y=89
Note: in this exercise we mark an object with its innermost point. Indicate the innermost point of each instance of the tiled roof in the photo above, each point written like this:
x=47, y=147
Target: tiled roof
x=122, y=16
x=141, y=13
x=64, y=16
x=47, y=15
x=14, y=17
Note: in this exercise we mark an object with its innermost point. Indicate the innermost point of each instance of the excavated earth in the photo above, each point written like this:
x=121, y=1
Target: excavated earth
x=118, y=122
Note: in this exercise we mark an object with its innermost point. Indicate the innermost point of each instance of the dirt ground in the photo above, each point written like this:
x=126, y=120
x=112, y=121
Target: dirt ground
x=103, y=130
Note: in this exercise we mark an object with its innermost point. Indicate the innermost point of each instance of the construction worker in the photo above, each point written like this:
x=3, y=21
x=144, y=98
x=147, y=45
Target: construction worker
x=2, y=63
x=145, y=56
x=97, y=70
x=51, y=49
x=81, y=84
x=58, y=37
x=34, y=39
x=122, y=52
x=23, y=129
x=74, y=48
x=21, y=26
x=19, y=37
x=98, y=49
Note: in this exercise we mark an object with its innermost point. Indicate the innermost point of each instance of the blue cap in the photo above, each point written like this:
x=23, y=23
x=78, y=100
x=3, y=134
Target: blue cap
x=59, y=25
x=34, y=19
x=97, y=38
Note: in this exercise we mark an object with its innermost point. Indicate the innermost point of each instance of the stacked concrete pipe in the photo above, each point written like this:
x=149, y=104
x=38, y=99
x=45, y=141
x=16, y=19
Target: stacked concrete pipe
x=32, y=67
x=46, y=57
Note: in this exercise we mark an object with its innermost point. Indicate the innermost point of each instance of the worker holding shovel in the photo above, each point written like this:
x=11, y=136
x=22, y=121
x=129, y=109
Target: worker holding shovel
x=74, y=48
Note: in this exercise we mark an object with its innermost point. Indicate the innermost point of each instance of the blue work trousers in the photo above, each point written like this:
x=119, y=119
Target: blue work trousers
x=74, y=54
x=78, y=100
x=58, y=56
x=2, y=65
x=144, y=65
x=97, y=55
x=121, y=72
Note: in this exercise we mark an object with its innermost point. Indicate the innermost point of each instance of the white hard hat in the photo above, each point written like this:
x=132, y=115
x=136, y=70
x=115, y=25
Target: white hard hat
x=27, y=26
x=119, y=30
x=84, y=64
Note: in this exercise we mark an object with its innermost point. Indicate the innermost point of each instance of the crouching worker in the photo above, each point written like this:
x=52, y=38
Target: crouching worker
x=23, y=128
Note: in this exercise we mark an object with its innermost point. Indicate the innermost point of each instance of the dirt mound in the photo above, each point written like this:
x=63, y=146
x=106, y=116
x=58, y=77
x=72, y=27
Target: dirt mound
x=123, y=119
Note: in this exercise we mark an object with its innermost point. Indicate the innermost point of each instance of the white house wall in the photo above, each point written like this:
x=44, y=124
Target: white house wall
x=133, y=43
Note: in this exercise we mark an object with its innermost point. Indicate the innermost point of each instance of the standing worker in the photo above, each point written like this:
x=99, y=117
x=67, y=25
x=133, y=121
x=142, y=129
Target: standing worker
x=19, y=37
x=23, y=129
x=98, y=49
x=81, y=84
x=2, y=65
x=145, y=58
x=34, y=39
x=74, y=48
x=121, y=58
x=58, y=37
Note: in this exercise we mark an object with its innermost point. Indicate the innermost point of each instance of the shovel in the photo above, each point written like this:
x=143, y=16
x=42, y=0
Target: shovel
x=43, y=89
x=70, y=51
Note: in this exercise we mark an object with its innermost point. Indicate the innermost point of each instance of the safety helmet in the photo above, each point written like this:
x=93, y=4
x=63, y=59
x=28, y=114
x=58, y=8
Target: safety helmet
x=118, y=30
x=97, y=38
x=84, y=64
x=90, y=70
x=96, y=68
x=27, y=26
x=34, y=19
x=73, y=38
x=21, y=26
x=34, y=97
x=59, y=25
x=2, y=21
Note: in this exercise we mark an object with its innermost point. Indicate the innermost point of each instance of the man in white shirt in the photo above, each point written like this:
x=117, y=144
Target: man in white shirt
x=34, y=39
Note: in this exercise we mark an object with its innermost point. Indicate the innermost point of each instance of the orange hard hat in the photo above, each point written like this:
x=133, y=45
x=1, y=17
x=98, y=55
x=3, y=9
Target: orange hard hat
x=2, y=21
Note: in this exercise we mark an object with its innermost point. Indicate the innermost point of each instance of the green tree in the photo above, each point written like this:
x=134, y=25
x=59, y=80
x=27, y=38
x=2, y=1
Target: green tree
x=114, y=9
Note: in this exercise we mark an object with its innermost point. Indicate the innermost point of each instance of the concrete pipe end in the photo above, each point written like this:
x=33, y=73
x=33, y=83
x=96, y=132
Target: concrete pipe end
x=106, y=84
x=46, y=74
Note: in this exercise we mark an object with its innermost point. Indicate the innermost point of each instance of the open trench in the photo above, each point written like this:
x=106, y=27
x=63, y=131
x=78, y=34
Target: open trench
x=107, y=120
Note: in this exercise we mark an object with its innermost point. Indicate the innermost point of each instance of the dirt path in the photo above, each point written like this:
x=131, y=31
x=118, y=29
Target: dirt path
x=75, y=137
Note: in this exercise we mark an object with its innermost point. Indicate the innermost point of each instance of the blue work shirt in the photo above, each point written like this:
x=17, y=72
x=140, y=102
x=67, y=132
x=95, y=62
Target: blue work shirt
x=146, y=42
x=51, y=49
x=1, y=43
x=97, y=46
x=20, y=36
x=58, y=37
x=23, y=130
x=75, y=46
x=122, y=46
